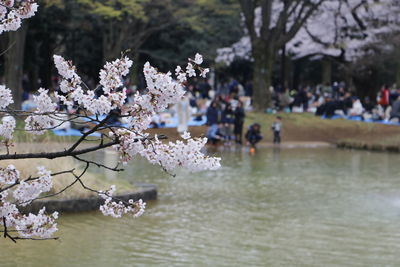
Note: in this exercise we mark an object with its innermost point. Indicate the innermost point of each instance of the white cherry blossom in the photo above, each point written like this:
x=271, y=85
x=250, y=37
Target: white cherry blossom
x=7, y=127
x=5, y=97
x=8, y=175
x=27, y=191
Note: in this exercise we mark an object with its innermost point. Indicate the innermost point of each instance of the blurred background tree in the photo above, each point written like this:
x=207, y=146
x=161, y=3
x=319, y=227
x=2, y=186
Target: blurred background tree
x=166, y=32
x=90, y=32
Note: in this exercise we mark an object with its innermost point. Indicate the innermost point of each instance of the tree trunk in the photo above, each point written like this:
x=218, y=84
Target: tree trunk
x=112, y=42
x=398, y=75
x=134, y=74
x=263, y=60
x=326, y=72
x=284, y=69
x=46, y=52
x=14, y=61
x=111, y=51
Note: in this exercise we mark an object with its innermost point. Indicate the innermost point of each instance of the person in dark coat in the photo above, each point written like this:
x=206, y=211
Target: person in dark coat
x=213, y=114
x=238, y=123
x=228, y=119
x=253, y=135
x=395, y=113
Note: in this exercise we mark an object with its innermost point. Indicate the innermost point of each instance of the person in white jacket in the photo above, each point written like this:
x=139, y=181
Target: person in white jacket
x=357, y=108
x=183, y=112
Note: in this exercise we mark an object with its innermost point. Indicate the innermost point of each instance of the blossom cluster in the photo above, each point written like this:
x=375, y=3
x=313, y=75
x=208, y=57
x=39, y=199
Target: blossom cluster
x=41, y=120
x=117, y=209
x=8, y=122
x=7, y=127
x=186, y=154
x=41, y=225
x=13, y=12
x=5, y=97
x=110, y=80
x=8, y=175
x=28, y=191
x=163, y=90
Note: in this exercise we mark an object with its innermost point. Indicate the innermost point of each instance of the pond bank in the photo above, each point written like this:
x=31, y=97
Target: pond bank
x=379, y=147
x=307, y=128
x=304, y=130
x=297, y=144
x=145, y=192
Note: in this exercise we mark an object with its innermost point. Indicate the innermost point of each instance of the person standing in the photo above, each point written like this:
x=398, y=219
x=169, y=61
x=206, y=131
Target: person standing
x=238, y=123
x=276, y=128
x=384, y=97
x=183, y=111
x=228, y=118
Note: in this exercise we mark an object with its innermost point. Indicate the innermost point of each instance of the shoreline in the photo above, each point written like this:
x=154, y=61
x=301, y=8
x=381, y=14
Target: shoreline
x=266, y=145
x=376, y=147
x=297, y=144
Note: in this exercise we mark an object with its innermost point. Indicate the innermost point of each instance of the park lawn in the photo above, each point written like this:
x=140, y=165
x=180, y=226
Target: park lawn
x=297, y=127
x=22, y=136
x=306, y=127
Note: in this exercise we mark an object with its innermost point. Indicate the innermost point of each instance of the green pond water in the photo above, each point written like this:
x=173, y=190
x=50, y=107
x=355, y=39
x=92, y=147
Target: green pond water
x=288, y=207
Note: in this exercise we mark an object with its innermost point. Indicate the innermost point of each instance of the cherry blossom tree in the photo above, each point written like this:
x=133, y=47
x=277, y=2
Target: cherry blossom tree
x=344, y=30
x=270, y=24
x=129, y=140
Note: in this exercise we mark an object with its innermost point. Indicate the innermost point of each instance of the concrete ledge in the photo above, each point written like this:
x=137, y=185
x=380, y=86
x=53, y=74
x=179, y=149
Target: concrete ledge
x=145, y=192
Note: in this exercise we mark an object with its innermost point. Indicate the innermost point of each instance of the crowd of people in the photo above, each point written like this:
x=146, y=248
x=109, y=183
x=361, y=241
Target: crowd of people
x=338, y=101
x=223, y=107
x=226, y=114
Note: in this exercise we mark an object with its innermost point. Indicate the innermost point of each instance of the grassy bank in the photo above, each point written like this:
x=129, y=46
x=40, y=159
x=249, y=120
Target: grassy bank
x=309, y=128
x=296, y=128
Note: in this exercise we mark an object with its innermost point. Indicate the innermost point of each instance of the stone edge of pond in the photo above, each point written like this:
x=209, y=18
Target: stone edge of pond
x=368, y=147
x=146, y=192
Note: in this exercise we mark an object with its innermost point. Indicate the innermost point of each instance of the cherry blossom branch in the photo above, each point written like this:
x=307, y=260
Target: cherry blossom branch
x=94, y=129
x=101, y=193
x=8, y=48
x=61, y=191
x=116, y=169
x=34, y=239
x=6, y=232
x=60, y=154
x=17, y=182
x=128, y=140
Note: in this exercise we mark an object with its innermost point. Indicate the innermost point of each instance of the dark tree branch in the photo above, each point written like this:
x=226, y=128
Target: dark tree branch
x=116, y=169
x=248, y=8
x=60, y=154
x=33, y=178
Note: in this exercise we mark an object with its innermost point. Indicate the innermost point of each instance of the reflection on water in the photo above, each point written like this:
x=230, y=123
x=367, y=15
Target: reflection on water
x=294, y=207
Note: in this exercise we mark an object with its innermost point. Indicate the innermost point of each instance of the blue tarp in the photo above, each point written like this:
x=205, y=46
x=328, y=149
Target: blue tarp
x=72, y=132
x=358, y=118
x=173, y=123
